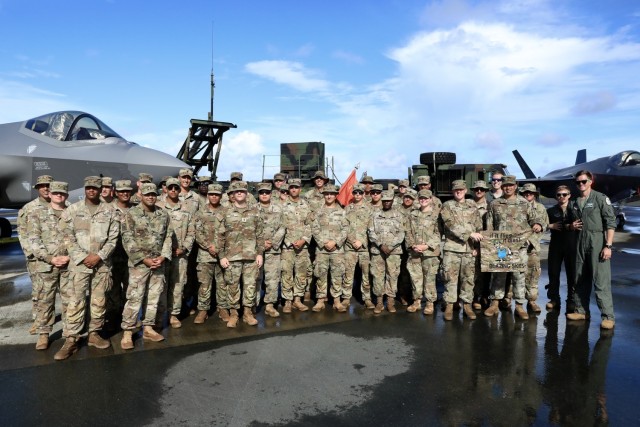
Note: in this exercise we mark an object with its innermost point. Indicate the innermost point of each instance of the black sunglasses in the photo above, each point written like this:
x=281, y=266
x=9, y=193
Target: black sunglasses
x=497, y=180
x=562, y=194
x=581, y=181
x=357, y=192
x=376, y=192
x=264, y=192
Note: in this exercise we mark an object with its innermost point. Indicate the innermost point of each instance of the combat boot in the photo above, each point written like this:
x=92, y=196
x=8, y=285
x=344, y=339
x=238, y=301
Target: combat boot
x=416, y=306
x=69, y=347
x=126, y=343
x=223, y=314
x=577, y=316
x=247, y=317
x=391, y=305
x=287, y=307
x=271, y=311
x=606, y=324
x=553, y=305
x=448, y=311
x=95, y=340
x=368, y=304
x=379, y=308
x=521, y=312
x=319, y=305
x=233, y=318
x=43, y=342
x=298, y=305
x=338, y=306
x=468, y=311
x=403, y=301
x=174, y=322
x=428, y=308
x=493, y=309
x=477, y=305
x=33, y=329
x=200, y=317
x=346, y=303
x=150, y=334
x=532, y=306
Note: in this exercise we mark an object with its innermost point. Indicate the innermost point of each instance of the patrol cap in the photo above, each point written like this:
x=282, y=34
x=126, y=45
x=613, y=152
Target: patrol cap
x=424, y=194
x=145, y=177
x=295, y=182
x=358, y=187
x=424, y=179
x=410, y=193
x=236, y=176
x=480, y=184
x=376, y=187
x=284, y=187
x=509, y=180
x=58, y=187
x=320, y=174
x=330, y=189
x=528, y=187
x=148, y=188
x=173, y=181
x=185, y=172
x=403, y=183
x=123, y=185
x=214, y=189
x=204, y=180
x=387, y=195
x=279, y=177
x=237, y=186
x=43, y=179
x=367, y=180
x=93, y=181
x=458, y=184
x=165, y=178
x=107, y=181
x=265, y=186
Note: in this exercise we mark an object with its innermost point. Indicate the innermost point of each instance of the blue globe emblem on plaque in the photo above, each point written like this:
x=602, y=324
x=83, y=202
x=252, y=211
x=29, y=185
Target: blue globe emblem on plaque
x=502, y=253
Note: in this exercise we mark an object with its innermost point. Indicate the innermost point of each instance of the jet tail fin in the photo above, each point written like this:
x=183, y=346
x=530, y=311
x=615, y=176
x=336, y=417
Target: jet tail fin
x=528, y=173
x=581, y=157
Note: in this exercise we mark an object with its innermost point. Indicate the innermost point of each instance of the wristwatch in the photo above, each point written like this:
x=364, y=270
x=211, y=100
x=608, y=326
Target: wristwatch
x=608, y=246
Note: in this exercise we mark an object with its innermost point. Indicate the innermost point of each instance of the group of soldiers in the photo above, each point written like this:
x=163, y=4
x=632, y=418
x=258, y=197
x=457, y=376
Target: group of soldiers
x=135, y=254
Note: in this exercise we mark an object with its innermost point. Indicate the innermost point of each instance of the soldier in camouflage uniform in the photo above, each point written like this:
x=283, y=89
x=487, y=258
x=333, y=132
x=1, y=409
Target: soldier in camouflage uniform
x=184, y=235
x=42, y=202
x=424, y=183
x=386, y=233
x=284, y=194
x=513, y=213
x=315, y=197
x=203, y=188
x=191, y=201
x=278, y=181
x=423, y=238
x=208, y=228
x=273, y=234
x=368, y=182
x=403, y=186
x=482, y=286
x=162, y=188
x=50, y=251
x=241, y=254
x=189, y=198
x=143, y=178
x=237, y=177
x=106, y=191
x=91, y=229
x=295, y=255
x=356, y=249
x=329, y=229
x=405, y=207
x=461, y=225
x=529, y=192
x=147, y=237
x=375, y=197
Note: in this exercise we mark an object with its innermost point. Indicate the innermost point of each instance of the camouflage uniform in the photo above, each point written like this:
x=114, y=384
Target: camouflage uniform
x=357, y=217
x=482, y=285
x=145, y=235
x=386, y=228
x=273, y=230
x=423, y=228
x=88, y=231
x=533, y=261
x=190, y=202
x=208, y=228
x=460, y=220
x=329, y=224
x=315, y=198
x=295, y=219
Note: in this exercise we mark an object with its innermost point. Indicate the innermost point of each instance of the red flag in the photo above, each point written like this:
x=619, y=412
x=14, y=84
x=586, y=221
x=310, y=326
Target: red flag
x=345, y=196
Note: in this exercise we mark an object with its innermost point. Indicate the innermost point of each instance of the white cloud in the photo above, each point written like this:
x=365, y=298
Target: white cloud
x=292, y=74
x=594, y=103
x=349, y=57
x=20, y=101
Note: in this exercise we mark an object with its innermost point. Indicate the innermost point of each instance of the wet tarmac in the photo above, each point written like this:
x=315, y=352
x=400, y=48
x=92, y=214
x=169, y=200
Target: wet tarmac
x=336, y=369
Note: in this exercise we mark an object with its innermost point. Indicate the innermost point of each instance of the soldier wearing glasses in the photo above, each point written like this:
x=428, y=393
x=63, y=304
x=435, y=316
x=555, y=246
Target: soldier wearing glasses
x=496, y=186
x=594, y=221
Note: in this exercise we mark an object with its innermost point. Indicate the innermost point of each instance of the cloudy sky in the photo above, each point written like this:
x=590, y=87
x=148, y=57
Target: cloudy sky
x=378, y=81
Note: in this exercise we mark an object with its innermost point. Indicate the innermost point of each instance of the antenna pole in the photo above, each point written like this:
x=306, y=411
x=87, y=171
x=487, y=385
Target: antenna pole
x=213, y=83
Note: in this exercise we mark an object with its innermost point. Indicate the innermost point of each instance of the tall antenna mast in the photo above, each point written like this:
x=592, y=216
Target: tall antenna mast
x=213, y=82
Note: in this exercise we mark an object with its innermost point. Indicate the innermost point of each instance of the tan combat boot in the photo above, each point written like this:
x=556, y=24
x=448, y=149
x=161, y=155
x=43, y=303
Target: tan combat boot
x=468, y=311
x=200, y=317
x=521, y=312
x=477, y=305
x=319, y=305
x=534, y=307
x=577, y=316
x=223, y=314
x=95, y=340
x=126, y=343
x=493, y=309
x=150, y=334
x=416, y=306
x=346, y=303
x=448, y=311
x=606, y=324
x=379, y=308
x=174, y=322
x=428, y=308
x=298, y=305
x=369, y=305
x=43, y=342
x=271, y=311
x=391, y=304
x=69, y=347
x=233, y=318
x=338, y=306
x=247, y=317
x=287, y=307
